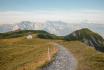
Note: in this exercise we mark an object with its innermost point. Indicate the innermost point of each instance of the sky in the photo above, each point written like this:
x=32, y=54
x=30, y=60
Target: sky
x=71, y=11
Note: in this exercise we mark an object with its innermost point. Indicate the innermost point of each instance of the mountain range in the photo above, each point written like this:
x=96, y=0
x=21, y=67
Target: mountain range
x=84, y=35
x=85, y=32
x=54, y=27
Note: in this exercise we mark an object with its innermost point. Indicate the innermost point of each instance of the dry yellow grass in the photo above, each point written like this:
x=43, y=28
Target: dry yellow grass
x=23, y=54
x=40, y=61
x=88, y=58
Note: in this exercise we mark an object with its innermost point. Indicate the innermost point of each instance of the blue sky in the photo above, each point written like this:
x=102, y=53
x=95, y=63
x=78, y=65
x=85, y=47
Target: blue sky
x=71, y=11
x=33, y=5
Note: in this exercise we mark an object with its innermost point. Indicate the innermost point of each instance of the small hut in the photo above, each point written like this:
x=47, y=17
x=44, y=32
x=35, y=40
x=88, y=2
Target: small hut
x=29, y=36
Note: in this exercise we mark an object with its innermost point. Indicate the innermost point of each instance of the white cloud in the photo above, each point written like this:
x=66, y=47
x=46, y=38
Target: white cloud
x=42, y=16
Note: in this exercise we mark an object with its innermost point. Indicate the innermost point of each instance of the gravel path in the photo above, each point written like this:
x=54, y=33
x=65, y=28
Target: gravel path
x=64, y=60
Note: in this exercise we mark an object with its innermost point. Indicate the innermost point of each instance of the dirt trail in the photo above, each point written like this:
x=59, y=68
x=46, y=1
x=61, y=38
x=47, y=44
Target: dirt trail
x=64, y=60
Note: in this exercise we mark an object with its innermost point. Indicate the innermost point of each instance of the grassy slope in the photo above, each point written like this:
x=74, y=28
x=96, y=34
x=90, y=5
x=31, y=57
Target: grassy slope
x=15, y=34
x=88, y=58
x=22, y=54
x=88, y=37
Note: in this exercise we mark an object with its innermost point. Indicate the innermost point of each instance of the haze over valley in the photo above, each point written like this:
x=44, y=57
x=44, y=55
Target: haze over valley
x=55, y=27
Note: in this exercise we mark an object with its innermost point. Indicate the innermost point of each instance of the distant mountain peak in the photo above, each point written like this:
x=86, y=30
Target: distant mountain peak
x=57, y=27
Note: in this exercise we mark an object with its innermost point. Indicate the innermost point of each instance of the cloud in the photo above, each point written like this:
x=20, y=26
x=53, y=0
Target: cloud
x=93, y=16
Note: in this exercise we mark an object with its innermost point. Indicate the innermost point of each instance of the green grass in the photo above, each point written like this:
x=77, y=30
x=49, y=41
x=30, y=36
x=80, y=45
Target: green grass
x=15, y=34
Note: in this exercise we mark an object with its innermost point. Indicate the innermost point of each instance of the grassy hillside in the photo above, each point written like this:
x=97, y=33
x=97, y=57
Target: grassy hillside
x=49, y=36
x=15, y=34
x=88, y=37
x=23, y=54
x=88, y=58
x=19, y=53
